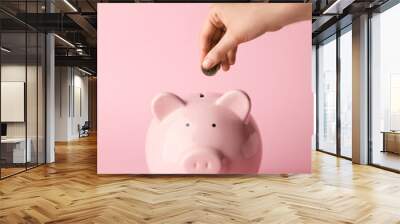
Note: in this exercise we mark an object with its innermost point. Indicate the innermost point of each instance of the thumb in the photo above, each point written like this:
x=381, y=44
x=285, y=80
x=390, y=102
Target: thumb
x=219, y=51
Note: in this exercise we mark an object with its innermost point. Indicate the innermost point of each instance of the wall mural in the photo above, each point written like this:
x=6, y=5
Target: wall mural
x=159, y=113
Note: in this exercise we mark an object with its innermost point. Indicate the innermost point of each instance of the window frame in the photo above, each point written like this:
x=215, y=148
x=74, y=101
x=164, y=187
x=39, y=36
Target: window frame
x=333, y=37
x=378, y=10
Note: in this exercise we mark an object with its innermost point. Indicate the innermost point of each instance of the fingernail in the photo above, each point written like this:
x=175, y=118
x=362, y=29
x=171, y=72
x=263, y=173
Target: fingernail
x=207, y=63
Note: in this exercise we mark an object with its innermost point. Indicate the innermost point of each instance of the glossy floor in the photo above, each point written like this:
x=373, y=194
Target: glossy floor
x=10, y=171
x=387, y=159
x=70, y=191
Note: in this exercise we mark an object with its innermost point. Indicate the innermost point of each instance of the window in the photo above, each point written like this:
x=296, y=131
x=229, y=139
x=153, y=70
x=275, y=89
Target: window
x=385, y=89
x=327, y=95
x=346, y=93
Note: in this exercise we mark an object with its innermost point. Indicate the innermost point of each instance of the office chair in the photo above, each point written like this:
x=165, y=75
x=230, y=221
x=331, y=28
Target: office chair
x=84, y=130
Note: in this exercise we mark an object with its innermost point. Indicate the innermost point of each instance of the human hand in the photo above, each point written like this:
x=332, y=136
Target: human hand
x=229, y=25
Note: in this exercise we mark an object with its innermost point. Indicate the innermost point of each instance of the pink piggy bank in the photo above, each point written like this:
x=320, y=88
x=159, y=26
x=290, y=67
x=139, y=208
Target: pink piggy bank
x=205, y=133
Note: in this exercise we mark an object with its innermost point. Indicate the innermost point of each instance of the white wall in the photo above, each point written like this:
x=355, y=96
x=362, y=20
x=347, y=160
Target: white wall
x=71, y=96
x=17, y=73
x=80, y=84
x=62, y=82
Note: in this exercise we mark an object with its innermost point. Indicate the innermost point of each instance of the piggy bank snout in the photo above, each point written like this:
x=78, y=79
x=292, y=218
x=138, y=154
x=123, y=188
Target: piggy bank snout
x=202, y=161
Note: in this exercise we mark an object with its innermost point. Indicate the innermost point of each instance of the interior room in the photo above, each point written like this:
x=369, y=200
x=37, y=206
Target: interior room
x=385, y=90
x=22, y=103
x=49, y=127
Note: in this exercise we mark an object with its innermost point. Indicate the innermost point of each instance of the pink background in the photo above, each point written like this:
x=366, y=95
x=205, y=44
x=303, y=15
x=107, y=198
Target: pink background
x=148, y=48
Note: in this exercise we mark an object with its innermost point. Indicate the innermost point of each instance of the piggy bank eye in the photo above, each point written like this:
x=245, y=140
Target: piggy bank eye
x=201, y=95
x=214, y=125
x=187, y=124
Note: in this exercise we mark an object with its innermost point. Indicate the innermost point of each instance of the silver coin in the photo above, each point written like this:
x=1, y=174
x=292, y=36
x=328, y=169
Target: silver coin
x=212, y=71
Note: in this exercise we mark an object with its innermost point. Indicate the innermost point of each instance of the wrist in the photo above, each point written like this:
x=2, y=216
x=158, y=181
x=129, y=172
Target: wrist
x=278, y=15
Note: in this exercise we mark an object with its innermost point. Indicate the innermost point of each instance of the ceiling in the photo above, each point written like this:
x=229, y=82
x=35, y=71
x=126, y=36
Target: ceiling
x=75, y=23
x=329, y=16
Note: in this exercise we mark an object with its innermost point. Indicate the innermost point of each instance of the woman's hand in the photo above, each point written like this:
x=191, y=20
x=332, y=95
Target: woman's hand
x=229, y=25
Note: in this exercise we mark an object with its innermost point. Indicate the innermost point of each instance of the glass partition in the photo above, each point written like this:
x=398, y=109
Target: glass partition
x=22, y=63
x=31, y=100
x=13, y=105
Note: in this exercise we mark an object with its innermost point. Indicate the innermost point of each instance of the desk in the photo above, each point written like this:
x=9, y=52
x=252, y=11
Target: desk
x=13, y=150
x=391, y=141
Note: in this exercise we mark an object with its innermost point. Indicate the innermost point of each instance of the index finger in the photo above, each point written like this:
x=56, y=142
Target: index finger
x=206, y=36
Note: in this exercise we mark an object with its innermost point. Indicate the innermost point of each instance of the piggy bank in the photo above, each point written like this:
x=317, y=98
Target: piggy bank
x=205, y=133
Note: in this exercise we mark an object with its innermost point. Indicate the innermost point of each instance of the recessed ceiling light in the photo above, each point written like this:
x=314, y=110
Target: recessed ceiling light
x=337, y=7
x=64, y=40
x=70, y=5
x=5, y=50
x=84, y=71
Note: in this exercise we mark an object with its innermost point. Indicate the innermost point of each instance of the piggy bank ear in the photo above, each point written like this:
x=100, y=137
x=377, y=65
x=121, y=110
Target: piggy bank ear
x=237, y=101
x=164, y=104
